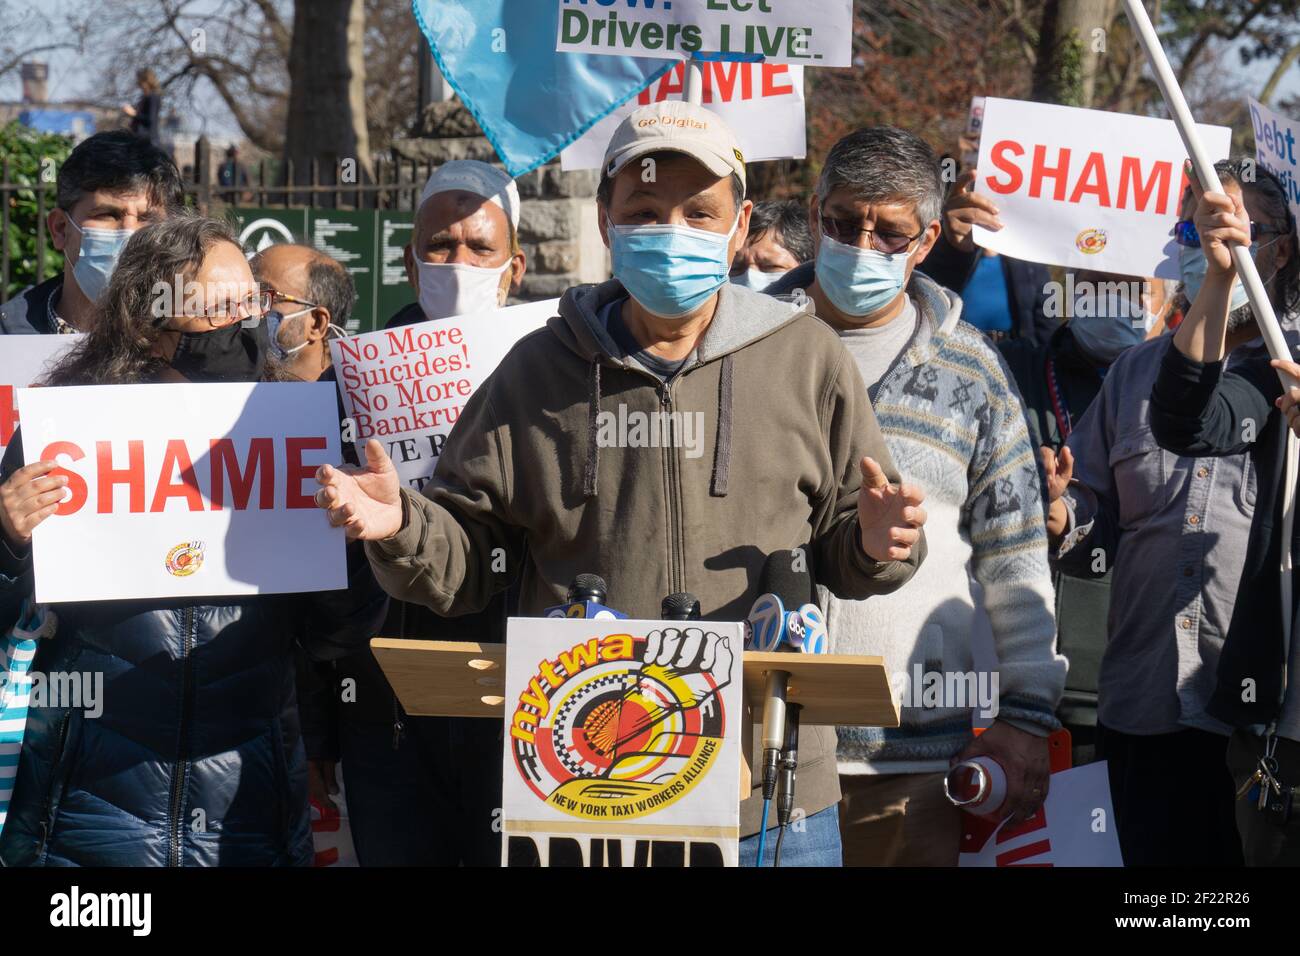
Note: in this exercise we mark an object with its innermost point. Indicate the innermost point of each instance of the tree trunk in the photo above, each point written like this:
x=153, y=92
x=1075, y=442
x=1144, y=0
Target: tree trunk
x=1073, y=35
x=327, y=106
x=1279, y=71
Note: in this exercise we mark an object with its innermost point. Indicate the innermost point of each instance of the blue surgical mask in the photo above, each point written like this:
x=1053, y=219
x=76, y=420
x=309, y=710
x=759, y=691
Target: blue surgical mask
x=1192, y=266
x=756, y=279
x=97, y=257
x=859, y=281
x=670, y=270
x=1104, y=333
x=275, y=319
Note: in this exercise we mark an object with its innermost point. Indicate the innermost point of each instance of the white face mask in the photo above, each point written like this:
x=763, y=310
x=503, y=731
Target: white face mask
x=757, y=279
x=450, y=289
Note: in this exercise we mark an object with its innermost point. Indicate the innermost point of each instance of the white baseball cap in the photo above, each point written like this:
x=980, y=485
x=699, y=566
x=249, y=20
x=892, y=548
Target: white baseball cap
x=481, y=179
x=678, y=127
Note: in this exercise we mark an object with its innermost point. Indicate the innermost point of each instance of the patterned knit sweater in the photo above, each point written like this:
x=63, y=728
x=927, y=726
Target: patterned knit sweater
x=981, y=603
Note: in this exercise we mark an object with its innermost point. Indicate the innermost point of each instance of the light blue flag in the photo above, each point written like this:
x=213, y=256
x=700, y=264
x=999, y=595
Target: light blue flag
x=499, y=56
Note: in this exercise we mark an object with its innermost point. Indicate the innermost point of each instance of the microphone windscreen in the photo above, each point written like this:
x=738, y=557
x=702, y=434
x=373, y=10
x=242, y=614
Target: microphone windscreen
x=683, y=606
x=588, y=586
x=785, y=574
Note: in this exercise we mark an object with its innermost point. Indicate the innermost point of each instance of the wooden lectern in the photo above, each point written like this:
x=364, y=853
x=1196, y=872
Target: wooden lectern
x=466, y=679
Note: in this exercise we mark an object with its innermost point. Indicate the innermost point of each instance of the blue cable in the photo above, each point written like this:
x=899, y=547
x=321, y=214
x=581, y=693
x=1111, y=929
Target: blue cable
x=762, y=833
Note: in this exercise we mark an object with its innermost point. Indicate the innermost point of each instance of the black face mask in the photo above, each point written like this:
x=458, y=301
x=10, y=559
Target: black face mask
x=230, y=354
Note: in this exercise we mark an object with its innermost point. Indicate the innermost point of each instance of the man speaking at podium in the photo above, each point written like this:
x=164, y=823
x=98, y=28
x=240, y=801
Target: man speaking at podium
x=667, y=430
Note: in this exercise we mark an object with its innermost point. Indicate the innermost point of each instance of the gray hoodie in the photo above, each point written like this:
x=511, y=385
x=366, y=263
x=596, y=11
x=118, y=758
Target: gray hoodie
x=772, y=421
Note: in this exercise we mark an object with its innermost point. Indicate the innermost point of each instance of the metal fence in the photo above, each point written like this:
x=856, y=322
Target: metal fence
x=393, y=183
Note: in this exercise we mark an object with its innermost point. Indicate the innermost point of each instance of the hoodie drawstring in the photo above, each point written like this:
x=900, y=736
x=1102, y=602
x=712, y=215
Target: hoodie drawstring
x=593, y=451
x=722, y=447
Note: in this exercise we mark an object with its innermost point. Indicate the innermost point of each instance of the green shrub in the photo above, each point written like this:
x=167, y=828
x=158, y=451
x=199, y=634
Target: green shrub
x=34, y=158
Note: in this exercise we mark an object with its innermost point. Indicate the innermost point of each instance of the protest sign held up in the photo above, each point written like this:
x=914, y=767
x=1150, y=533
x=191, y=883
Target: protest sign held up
x=812, y=33
x=763, y=103
x=406, y=386
x=1084, y=188
x=192, y=489
x=23, y=360
x=1275, y=150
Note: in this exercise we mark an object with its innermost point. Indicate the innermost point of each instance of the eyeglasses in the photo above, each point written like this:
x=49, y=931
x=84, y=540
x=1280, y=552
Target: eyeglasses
x=847, y=231
x=252, y=306
x=1185, y=233
x=279, y=298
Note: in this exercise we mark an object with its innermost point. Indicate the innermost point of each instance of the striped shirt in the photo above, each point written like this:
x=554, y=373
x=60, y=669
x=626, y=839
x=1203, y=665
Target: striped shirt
x=15, y=692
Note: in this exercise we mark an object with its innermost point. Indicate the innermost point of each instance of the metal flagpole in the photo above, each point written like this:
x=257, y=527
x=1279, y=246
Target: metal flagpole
x=694, y=82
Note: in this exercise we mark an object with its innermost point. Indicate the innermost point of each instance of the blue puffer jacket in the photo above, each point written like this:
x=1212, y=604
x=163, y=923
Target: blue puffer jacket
x=196, y=758
x=183, y=748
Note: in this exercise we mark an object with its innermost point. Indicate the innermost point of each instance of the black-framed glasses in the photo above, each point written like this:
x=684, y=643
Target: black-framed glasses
x=847, y=231
x=1185, y=233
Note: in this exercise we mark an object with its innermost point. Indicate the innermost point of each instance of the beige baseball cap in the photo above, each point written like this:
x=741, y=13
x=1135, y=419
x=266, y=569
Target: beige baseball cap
x=678, y=127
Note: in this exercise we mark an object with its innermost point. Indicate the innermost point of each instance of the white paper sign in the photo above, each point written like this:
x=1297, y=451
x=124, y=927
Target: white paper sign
x=613, y=756
x=763, y=104
x=24, y=359
x=812, y=32
x=1085, y=189
x=180, y=491
x=1277, y=141
x=406, y=386
x=1075, y=827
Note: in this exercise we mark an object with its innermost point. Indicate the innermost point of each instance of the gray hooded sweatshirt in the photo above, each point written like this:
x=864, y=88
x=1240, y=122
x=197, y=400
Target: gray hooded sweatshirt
x=772, y=420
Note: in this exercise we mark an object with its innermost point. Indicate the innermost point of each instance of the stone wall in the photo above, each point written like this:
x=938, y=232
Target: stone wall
x=558, y=228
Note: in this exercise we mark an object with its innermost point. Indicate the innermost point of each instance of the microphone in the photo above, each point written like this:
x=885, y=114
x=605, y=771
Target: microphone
x=585, y=599
x=789, y=763
x=785, y=614
x=683, y=606
x=786, y=583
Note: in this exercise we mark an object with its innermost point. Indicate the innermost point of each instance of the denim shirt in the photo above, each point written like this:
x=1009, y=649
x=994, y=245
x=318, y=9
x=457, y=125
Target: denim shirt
x=1175, y=530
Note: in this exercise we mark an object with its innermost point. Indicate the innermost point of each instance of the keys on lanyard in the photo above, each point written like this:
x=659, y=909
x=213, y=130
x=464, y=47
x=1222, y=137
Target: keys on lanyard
x=1271, y=796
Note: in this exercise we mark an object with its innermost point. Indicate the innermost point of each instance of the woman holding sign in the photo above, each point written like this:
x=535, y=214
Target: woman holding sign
x=181, y=746
x=1199, y=407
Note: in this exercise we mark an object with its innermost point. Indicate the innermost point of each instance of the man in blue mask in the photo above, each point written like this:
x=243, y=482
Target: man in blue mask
x=983, y=617
x=774, y=444
x=110, y=185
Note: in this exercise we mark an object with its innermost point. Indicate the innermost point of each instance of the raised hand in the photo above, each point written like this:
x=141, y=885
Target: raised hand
x=29, y=496
x=889, y=516
x=365, y=502
x=1059, y=469
x=1222, y=222
x=964, y=210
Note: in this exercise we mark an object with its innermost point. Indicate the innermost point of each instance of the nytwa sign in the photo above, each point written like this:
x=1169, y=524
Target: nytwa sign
x=184, y=490
x=1085, y=188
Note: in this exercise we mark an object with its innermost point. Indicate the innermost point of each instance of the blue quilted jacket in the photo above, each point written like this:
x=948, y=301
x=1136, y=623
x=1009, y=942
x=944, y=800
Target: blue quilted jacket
x=190, y=753
x=196, y=758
